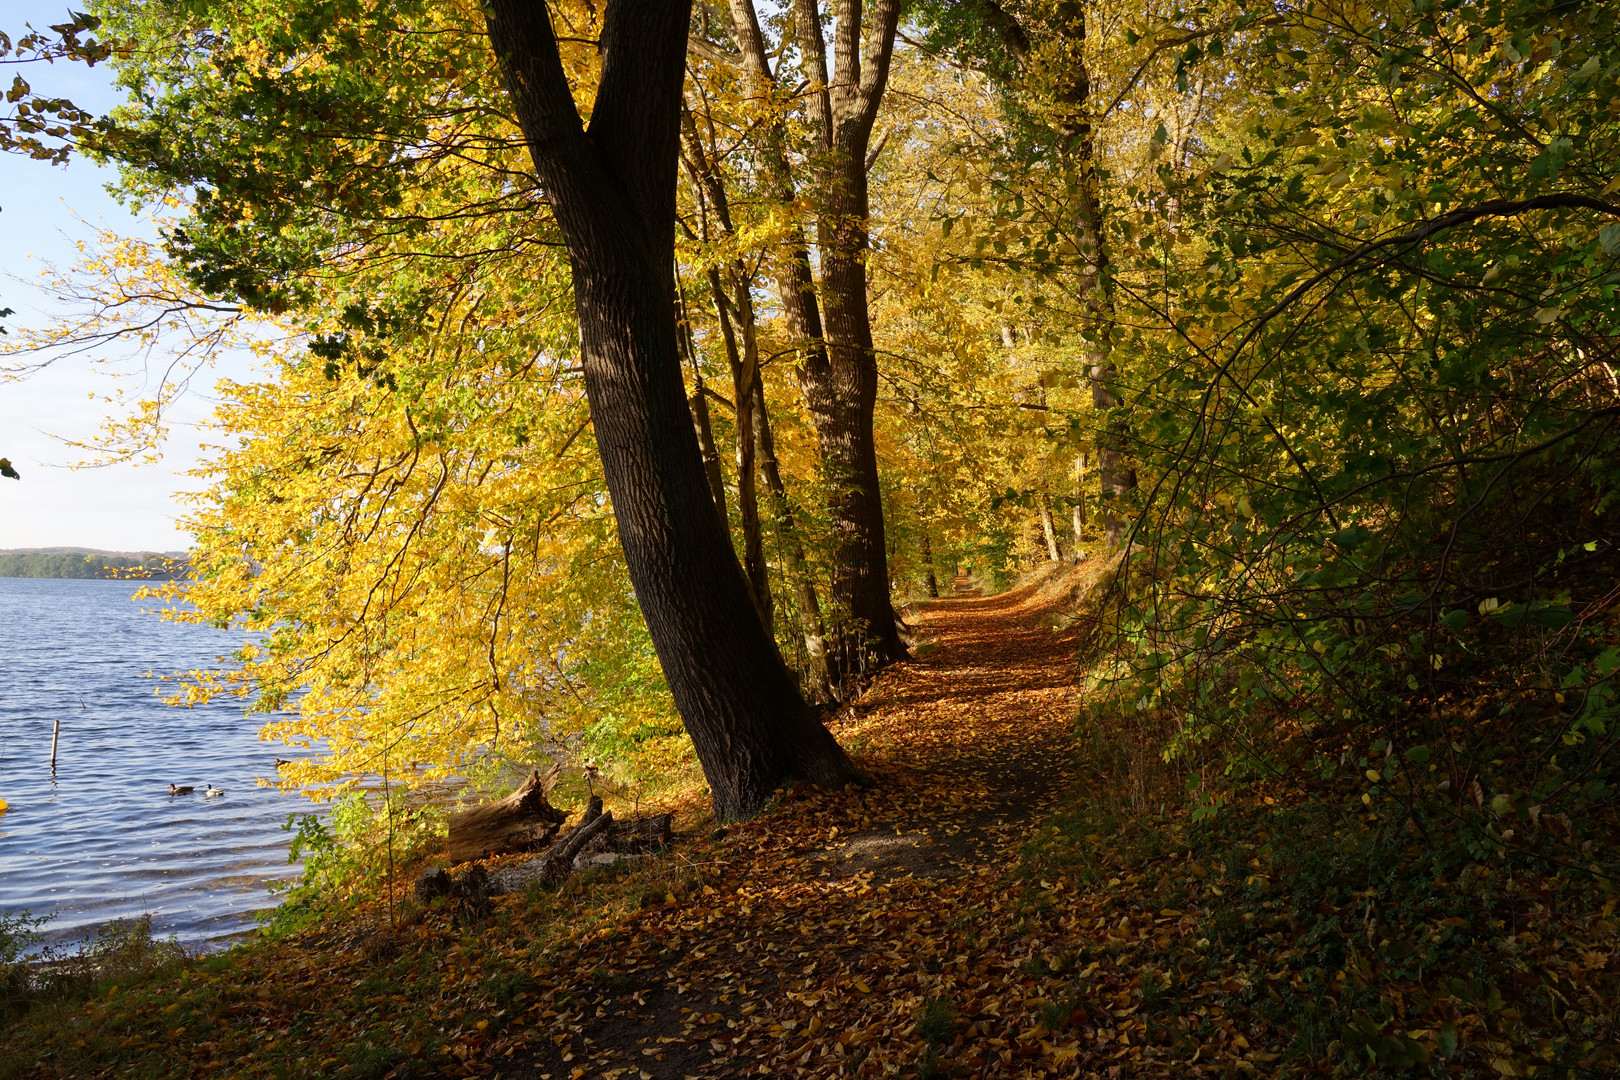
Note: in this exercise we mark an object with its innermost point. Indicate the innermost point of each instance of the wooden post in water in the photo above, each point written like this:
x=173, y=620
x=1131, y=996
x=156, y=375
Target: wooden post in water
x=56, y=737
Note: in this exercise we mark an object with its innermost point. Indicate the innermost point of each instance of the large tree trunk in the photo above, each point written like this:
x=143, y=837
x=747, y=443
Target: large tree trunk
x=612, y=189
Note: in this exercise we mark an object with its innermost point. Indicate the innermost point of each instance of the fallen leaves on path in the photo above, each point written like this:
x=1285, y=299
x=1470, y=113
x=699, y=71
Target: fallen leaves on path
x=966, y=915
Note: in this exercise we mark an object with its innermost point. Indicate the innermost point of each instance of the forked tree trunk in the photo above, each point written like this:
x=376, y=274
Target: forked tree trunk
x=840, y=381
x=612, y=190
x=837, y=367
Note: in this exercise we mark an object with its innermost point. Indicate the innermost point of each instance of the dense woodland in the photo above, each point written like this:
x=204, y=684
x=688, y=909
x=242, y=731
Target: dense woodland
x=632, y=374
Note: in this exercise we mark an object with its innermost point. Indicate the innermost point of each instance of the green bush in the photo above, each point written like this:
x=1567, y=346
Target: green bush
x=347, y=857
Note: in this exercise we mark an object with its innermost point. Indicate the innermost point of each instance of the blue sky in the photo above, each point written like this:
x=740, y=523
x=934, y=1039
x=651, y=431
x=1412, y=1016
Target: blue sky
x=44, y=210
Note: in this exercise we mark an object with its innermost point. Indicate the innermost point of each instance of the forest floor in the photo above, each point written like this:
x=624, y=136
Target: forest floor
x=973, y=913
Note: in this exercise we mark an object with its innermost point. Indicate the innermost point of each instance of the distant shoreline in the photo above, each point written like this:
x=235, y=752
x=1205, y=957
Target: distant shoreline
x=93, y=564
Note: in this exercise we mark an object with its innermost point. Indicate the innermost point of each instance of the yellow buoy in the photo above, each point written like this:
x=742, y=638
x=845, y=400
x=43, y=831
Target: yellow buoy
x=2, y=806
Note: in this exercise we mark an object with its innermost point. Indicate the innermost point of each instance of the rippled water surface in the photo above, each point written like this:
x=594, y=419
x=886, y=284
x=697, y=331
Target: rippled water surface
x=101, y=838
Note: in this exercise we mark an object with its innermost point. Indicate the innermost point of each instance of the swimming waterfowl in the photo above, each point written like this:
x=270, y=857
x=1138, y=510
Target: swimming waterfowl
x=282, y=761
x=173, y=791
x=212, y=791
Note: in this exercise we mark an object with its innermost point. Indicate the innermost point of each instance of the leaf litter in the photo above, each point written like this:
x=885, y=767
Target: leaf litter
x=965, y=915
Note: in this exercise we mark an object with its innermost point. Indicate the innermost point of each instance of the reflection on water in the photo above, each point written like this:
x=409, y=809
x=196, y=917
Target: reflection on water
x=102, y=838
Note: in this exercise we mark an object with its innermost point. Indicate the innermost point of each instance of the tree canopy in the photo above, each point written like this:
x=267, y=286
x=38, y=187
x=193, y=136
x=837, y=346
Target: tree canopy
x=1304, y=313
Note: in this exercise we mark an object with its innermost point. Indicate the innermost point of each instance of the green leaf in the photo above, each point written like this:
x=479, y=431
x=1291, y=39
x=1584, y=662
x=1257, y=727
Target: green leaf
x=1554, y=618
x=1418, y=754
x=1609, y=237
x=1350, y=539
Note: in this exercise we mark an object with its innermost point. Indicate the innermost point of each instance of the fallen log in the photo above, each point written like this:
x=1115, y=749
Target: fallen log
x=523, y=821
x=597, y=831
x=558, y=863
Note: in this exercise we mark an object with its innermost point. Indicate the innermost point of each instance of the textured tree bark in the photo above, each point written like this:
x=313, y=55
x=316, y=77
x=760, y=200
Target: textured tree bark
x=612, y=190
x=840, y=385
x=522, y=821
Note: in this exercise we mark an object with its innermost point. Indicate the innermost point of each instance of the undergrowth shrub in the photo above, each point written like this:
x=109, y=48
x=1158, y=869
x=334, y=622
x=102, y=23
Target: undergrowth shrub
x=350, y=856
x=34, y=975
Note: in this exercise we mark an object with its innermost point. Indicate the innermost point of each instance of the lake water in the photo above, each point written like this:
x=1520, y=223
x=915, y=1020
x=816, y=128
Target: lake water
x=102, y=839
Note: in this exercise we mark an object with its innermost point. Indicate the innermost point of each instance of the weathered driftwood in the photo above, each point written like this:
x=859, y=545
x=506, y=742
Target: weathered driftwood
x=597, y=840
x=523, y=821
x=558, y=863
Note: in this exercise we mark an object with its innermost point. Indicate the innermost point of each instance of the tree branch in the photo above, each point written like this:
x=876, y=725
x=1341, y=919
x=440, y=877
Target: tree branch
x=713, y=53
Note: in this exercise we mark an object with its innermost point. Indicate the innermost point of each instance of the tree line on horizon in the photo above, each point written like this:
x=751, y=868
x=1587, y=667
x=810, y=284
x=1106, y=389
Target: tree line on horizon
x=70, y=564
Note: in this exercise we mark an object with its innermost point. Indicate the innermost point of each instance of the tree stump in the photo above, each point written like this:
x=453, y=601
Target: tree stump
x=523, y=821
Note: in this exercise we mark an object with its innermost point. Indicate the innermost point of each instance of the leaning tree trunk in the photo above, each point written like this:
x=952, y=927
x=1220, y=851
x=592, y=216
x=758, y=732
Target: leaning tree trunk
x=612, y=190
